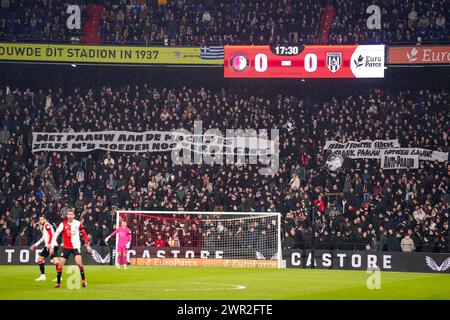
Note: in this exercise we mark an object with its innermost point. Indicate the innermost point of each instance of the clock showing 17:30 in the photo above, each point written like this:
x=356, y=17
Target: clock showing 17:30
x=286, y=50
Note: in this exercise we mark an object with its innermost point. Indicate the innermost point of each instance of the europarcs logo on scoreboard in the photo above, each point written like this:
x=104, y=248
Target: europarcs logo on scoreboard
x=368, y=61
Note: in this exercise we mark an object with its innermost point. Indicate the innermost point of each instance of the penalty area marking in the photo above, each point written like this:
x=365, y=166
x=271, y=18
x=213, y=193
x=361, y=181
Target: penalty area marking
x=230, y=287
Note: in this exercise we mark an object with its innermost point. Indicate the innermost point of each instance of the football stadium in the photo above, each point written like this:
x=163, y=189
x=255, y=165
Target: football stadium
x=224, y=150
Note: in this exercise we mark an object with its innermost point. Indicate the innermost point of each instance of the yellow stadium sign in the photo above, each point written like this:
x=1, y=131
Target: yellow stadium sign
x=102, y=54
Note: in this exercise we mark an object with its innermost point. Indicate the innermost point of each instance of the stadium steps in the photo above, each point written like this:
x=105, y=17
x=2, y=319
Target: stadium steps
x=91, y=28
x=325, y=21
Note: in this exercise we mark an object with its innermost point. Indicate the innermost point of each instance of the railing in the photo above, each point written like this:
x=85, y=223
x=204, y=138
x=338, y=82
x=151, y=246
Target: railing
x=46, y=39
x=356, y=246
x=327, y=245
x=28, y=241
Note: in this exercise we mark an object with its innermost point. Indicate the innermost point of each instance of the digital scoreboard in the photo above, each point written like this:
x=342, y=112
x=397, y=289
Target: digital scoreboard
x=350, y=61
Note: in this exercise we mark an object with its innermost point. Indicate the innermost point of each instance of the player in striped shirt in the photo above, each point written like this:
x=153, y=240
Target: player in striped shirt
x=47, y=238
x=71, y=230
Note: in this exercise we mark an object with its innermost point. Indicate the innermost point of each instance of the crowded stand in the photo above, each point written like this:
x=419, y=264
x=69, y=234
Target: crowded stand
x=360, y=208
x=193, y=22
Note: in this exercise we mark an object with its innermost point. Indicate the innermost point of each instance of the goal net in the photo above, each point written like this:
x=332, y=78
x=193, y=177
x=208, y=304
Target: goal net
x=179, y=238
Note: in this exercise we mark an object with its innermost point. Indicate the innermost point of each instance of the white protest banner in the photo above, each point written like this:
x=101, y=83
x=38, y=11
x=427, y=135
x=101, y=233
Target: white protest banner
x=399, y=162
x=359, y=153
x=422, y=154
x=368, y=149
x=152, y=141
x=369, y=144
x=210, y=147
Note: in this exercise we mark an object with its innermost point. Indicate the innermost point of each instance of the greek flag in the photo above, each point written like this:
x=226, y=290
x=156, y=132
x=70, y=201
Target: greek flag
x=207, y=52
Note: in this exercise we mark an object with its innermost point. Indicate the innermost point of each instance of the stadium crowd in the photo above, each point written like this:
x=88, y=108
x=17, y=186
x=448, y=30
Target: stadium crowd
x=362, y=208
x=401, y=22
x=229, y=22
x=215, y=22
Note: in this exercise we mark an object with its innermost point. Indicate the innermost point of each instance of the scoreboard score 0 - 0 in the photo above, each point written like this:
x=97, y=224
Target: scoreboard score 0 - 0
x=349, y=61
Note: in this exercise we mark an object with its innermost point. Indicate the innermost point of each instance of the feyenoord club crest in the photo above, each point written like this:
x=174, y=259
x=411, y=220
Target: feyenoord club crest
x=239, y=62
x=334, y=61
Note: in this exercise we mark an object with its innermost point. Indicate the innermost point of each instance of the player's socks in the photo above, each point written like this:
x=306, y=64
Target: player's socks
x=58, y=276
x=82, y=272
x=83, y=278
x=42, y=267
x=56, y=267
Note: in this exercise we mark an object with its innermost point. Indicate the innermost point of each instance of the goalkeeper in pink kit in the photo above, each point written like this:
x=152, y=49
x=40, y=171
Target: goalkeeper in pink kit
x=123, y=244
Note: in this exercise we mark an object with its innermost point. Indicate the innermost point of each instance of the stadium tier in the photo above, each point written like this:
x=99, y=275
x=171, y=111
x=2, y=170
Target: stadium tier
x=196, y=22
x=362, y=208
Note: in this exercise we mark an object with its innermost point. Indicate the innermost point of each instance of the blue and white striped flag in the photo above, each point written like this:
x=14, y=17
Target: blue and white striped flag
x=214, y=52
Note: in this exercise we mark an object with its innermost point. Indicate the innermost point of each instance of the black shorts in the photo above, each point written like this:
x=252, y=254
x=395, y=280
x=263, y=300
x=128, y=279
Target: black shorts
x=45, y=253
x=67, y=252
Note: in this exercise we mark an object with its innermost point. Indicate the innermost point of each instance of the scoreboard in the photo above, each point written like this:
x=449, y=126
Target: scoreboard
x=349, y=61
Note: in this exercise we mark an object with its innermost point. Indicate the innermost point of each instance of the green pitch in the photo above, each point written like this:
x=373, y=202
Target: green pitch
x=106, y=282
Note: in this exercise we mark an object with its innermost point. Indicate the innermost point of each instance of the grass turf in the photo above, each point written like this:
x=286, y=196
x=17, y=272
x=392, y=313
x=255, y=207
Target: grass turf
x=106, y=282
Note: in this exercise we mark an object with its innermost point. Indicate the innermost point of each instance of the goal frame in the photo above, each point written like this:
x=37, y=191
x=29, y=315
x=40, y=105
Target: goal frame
x=277, y=214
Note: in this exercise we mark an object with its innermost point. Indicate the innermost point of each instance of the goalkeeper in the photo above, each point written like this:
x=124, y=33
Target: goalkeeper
x=124, y=237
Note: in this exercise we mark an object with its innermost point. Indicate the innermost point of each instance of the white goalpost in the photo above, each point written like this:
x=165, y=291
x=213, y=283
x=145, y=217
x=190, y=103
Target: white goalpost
x=192, y=238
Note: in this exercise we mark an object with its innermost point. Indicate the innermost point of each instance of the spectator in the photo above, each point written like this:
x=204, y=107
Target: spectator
x=288, y=241
x=419, y=214
x=4, y=135
x=393, y=244
x=295, y=182
x=407, y=244
x=159, y=242
x=7, y=238
x=440, y=21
